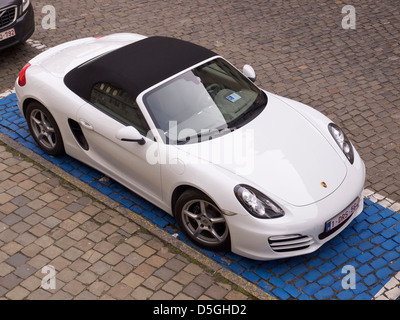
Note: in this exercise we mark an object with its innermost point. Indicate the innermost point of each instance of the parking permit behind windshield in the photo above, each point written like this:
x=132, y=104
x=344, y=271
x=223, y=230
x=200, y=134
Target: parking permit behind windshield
x=233, y=97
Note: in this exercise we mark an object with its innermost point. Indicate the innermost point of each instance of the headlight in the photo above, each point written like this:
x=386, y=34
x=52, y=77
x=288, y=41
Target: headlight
x=342, y=141
x=25, y=5
x=257, y=204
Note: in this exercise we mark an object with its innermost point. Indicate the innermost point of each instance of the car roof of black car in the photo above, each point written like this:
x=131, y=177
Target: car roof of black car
x=137, y=66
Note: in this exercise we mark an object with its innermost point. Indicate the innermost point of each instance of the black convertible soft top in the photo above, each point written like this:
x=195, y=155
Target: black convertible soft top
x=137, y=66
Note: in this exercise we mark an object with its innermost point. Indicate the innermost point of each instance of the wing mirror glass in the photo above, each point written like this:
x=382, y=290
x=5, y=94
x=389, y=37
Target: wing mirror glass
x=249, y=72
x=130, y=134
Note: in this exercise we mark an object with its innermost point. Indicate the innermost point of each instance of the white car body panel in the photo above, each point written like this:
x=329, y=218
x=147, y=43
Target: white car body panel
x=288, y=162
x=294, y=154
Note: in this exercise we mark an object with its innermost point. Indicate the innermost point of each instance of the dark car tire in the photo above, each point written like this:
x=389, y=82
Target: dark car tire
x=44, y=129
x=202, y=221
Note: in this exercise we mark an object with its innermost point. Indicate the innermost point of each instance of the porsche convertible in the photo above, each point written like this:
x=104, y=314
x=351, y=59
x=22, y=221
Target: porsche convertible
x=239, y=168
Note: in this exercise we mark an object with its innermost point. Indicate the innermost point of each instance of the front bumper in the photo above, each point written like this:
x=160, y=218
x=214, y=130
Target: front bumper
x=302, y=228
x=24, y=27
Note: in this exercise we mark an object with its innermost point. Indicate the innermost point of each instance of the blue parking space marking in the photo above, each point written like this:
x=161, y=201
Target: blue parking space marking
x=370, y=245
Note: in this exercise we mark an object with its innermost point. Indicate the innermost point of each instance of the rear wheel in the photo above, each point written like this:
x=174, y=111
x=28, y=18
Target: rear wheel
x=44, y=129
x=202, y=221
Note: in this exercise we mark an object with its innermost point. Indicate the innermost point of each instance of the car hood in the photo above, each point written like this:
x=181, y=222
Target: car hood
x=280, y=152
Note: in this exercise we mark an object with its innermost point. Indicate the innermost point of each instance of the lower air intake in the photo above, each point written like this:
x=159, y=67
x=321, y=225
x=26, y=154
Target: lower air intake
x=292, y=242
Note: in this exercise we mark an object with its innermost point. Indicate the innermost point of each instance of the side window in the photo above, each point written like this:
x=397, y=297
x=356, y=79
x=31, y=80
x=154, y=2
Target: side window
x=119, y=105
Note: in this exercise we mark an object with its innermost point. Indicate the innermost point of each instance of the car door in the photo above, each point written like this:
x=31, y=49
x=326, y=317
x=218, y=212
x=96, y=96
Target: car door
x=110, y=110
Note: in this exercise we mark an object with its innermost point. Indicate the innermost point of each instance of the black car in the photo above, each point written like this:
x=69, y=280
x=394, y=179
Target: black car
x=17, y=22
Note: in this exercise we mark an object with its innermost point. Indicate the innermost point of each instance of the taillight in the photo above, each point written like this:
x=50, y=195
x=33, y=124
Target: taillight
x=98, y=37
x=22, y=77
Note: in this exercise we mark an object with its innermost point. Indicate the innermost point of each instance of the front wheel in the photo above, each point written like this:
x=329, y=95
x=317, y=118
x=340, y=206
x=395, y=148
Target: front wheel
x=44, y=129
x=202, y=221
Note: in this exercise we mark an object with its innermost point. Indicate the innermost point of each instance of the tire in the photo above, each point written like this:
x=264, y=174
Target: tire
x=44, y=129
x=202, y=221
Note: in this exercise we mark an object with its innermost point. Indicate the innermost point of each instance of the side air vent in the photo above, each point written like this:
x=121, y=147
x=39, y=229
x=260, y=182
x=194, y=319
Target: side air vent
x=78, y=134
x=292, y=242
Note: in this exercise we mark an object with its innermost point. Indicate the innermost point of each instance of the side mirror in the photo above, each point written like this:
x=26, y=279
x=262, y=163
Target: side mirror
x=249, y=72
x=130, y=134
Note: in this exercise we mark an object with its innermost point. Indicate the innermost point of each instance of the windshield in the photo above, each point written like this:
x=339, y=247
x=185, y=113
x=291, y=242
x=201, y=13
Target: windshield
x=205, y=102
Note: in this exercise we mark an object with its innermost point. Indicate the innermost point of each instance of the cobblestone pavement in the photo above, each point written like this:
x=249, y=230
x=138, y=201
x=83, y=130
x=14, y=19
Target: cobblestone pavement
x=97, y=253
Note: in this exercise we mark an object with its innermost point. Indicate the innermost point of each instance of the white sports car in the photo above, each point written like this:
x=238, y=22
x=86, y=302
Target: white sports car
x=239, y=168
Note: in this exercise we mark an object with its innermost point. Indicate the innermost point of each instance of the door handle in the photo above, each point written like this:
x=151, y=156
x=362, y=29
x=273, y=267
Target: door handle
x=86, y=124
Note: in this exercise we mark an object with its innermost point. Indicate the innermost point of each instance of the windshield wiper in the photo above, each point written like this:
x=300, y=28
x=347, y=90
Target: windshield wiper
x=205, y=135
x=247, y=116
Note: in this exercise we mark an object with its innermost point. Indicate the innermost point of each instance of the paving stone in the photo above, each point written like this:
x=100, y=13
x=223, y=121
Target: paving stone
x=11, y=248
x=120, y=291
x=60, y=263
x=108, y=228
x=193, y=290
x=51, y=222
x=141, y=293
x=133, y=280
x=92, y=256
x=104, y=247
x=68, y=225
x=74, y=287
x=193, y=269
x=235, y=296
x=87, y=277
x=5, y=269
x=20, y=227
x=17, y=260
x=111, y=278
x=24, y=271
x=84, y=244
x=98, y=288
x=61, y=295
x=11, y=219
x=31, y=250
x=38, y=261
x=52, y=252
x=31, y=283
x=204, y=280
x=72, y=254
x=77, y=234
x=79, y=265
x=66, y=275
x=144, y=270
x=96, y=236
x=216, y=292
x=124, y=249
x=172, y=287
x=161, y=295
x=153, y=283
x=134, y=259
x=10, y=281
x=112, y=258
x=100, y=267
x=18, y=293
x=4, y=198
x=184, y=278
x=39, y=230
x=19, y=201
x=175, y=264
x=123, y=268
